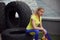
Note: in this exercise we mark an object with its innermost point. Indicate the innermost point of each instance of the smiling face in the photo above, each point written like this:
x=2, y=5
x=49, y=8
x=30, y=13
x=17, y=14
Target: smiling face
x=40, y=12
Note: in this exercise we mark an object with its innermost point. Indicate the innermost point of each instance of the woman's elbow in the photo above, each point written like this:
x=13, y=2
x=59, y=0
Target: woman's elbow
x=34, y=27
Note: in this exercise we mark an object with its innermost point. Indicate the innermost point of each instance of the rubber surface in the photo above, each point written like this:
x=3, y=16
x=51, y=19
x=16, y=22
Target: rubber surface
x=2, y=16
x=15, y=34
x=24, y=14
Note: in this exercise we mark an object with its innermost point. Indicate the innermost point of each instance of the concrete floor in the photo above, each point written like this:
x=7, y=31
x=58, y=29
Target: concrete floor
x=0, y=36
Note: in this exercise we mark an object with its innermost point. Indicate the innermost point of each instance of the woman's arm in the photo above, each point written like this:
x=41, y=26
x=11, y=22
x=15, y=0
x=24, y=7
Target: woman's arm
x=41, y=25
x=34, y=26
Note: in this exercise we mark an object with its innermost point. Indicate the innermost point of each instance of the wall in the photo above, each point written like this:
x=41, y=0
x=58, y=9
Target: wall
x=52, y=7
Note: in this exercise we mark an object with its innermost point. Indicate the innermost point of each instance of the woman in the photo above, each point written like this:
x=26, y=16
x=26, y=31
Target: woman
x=35, y=25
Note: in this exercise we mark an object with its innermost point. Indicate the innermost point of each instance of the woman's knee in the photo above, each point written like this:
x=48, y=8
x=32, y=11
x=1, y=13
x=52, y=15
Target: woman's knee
x=45, y=31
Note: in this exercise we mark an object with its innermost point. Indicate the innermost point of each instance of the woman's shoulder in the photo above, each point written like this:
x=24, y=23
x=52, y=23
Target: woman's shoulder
x=33, y=16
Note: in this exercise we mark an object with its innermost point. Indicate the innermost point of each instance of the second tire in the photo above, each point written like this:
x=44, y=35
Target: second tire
x=15, y=34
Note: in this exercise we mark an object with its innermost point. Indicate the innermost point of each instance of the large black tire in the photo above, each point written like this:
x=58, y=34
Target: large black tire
x=2, y=16
x=15, y=34
x=24, y=14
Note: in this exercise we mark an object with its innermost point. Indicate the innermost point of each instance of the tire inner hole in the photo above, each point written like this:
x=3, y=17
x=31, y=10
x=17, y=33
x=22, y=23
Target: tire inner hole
x=17, y=32
x=14, y=18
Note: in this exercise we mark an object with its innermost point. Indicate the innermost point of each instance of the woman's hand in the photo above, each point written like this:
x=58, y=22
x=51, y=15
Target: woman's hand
x=44, y=30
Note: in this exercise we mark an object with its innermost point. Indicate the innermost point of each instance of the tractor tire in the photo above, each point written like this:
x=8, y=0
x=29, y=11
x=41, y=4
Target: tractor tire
x=15, y=34
x=22, y=9
x=2, y=16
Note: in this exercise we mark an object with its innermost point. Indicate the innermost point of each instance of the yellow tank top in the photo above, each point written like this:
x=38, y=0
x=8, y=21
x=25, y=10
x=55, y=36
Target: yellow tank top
x=36, y=19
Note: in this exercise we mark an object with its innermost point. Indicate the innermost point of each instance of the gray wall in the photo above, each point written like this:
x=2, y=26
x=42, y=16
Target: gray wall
x=53, y=27
x=53, y=4
x=52, y=7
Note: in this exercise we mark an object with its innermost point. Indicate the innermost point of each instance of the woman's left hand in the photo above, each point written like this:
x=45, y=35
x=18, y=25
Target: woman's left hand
x=44, y=30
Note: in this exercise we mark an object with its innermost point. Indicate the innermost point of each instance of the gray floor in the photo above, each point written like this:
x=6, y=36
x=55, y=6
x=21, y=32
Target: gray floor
x=0, y=36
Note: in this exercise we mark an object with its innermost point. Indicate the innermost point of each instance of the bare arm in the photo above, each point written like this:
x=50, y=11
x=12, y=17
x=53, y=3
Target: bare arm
x=41, y=25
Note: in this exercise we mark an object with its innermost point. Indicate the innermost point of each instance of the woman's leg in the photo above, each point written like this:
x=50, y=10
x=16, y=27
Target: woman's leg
x=48, y=36
x=45, y=33
x=36, y=33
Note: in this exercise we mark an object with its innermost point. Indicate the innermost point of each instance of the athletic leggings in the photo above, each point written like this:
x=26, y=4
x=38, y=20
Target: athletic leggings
x=37, y=33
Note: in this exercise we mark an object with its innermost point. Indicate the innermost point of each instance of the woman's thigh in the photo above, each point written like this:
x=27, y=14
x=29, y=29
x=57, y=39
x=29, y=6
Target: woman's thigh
x=32, y=32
